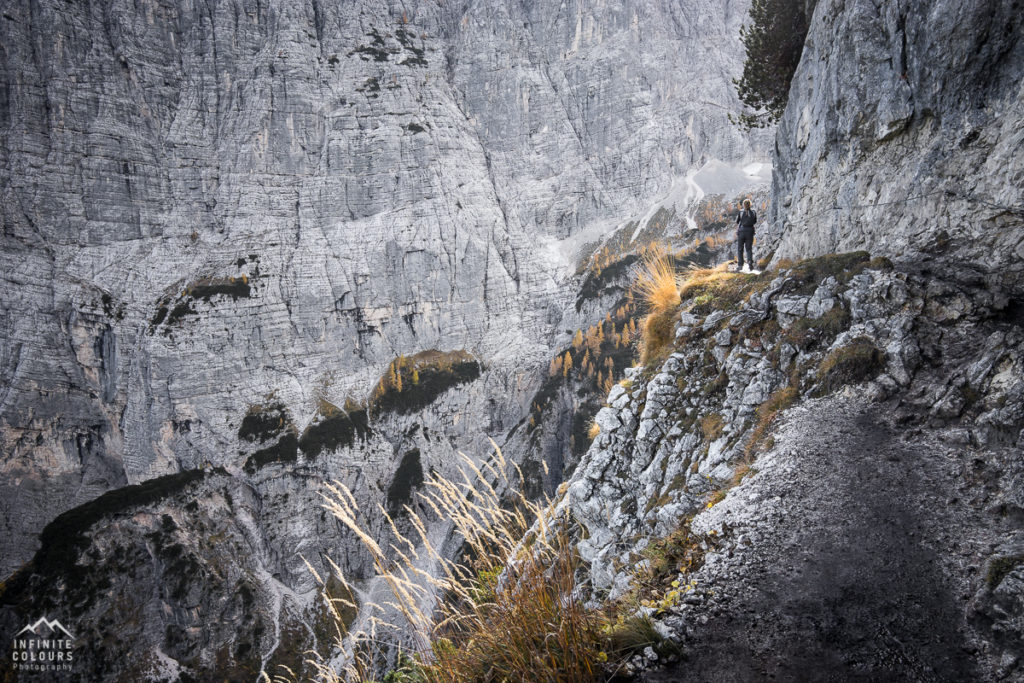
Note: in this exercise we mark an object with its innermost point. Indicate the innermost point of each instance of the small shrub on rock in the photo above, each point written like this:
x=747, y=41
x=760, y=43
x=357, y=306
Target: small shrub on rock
x=657, y=285
x=857, y=361
x=658, y=331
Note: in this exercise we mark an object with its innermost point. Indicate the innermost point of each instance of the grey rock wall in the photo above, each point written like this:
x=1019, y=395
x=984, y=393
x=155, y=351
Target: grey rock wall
x=212, y=206
x=864, y=524
x=903, y=134
x=386, y=179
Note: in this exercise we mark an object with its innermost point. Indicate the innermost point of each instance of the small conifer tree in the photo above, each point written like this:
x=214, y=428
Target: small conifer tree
x=774, y=41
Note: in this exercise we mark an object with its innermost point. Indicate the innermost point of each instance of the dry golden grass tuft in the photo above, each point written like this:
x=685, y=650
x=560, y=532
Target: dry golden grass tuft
x=700, y=278
x=742, y=471
x=657, y=283
x=766, y=414
x=857, y=361
x=707, y=289
x=509, y=609
x=656, y=340
x=712, y=426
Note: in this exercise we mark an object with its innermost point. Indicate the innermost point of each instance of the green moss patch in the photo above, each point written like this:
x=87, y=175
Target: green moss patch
x=412, y=383
x=855, y=362
x=1000, y=567
x=806, y=333
x=708, y=291
x=809, y=273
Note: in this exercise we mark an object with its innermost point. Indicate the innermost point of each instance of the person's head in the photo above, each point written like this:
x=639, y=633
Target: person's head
x=746, y=204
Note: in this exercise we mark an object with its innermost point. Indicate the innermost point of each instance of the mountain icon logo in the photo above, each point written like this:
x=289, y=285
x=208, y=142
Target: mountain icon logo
x=51, y=627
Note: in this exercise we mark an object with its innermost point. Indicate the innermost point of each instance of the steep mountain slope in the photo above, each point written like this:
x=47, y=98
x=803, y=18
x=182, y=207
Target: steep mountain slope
x=222, y=224
x=822, y=480
x=836, y=540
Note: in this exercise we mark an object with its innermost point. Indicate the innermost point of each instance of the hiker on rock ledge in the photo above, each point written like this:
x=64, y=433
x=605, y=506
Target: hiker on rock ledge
x=745, y=236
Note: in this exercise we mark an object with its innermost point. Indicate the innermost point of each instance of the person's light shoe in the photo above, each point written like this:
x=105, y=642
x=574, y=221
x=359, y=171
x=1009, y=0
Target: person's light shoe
x=746, y=267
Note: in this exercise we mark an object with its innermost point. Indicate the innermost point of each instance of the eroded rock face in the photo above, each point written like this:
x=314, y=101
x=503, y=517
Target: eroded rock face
x=877, y=533
x=384, y=181
x=209, y=209
x=903, y=135
x=843, y=450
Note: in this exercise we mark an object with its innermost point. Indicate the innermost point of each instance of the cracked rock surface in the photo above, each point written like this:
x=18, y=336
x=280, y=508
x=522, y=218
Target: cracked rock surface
x=873, y=533
x=902, y=135
x=217, y=210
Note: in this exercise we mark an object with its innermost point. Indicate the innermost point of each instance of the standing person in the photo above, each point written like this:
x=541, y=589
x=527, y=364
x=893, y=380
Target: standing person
x=745, y=235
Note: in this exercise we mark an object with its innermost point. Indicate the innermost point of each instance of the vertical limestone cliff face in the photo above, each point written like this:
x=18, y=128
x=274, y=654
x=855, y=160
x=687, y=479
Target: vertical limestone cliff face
x=222, y=221
x=903, y=134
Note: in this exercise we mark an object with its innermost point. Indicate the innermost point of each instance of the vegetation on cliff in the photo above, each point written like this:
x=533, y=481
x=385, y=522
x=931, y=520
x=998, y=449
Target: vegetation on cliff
x=509, y=607
x=774, y=41
x=173, y=310
x=411, y=383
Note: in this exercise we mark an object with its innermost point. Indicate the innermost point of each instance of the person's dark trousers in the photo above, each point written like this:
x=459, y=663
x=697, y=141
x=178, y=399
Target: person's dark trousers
x=745, y=239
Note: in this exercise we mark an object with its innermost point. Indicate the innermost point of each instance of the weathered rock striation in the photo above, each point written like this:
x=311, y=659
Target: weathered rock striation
x=222, y=222
x=889, y=499
x=903, y=135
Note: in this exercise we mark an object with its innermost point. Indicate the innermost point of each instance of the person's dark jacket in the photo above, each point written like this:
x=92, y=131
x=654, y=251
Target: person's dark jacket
x=746, y=219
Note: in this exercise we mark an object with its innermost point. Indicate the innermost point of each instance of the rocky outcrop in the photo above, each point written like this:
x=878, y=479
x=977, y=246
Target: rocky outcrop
x=902, y=135
x=384, y=181
x=886, y=499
